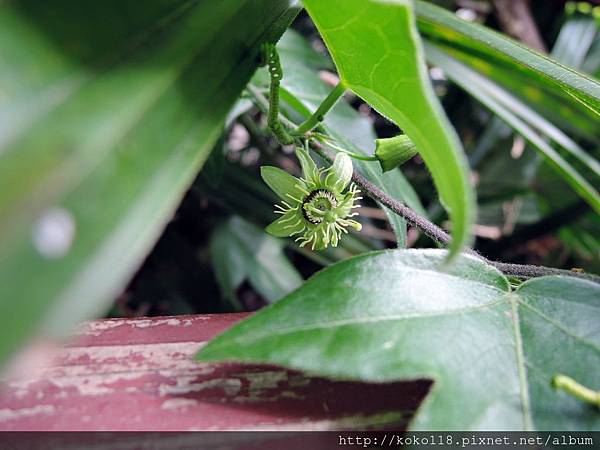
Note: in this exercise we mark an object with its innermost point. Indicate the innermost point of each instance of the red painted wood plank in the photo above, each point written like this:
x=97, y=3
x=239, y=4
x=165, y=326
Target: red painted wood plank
x=155, y=330
x=138, y=374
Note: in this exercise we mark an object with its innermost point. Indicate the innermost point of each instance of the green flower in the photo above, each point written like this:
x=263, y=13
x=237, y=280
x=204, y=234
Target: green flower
x=314, y=208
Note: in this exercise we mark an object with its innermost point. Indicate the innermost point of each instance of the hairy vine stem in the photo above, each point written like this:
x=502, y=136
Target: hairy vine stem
x=522, y=271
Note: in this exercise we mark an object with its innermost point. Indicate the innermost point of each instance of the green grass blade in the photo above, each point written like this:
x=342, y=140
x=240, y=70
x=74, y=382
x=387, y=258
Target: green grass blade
x=516, y=115
x=562, y=91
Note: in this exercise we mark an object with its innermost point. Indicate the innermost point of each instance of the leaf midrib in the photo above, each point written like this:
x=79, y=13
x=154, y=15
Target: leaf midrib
x=361, y=321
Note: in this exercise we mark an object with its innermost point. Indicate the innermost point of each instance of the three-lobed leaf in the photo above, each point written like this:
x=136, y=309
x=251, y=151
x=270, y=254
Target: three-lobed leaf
x=394, y=315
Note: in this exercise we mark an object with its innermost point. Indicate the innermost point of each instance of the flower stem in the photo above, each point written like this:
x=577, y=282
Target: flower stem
x=318, y=116
x=351, y=154
x=572, y=387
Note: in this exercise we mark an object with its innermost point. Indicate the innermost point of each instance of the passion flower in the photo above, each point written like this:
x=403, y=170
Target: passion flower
x=314, y=208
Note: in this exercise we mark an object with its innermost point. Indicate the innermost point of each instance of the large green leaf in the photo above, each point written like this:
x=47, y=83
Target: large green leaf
x=378, y=54
x=109, y=110
x=394, y=315
x=304, y=91
x=558, y=90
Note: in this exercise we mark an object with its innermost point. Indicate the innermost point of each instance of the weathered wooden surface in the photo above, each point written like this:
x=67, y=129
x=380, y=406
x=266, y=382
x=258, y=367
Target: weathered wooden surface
x=138, y=374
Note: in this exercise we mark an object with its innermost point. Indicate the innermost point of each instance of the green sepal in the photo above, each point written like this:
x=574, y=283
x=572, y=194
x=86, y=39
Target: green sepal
x=282, y=183
x=320, y=243
x=393, y=152
x=309, y=169
x=286, y=225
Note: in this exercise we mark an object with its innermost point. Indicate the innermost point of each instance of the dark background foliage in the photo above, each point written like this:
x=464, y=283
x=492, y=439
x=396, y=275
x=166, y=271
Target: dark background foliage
x=526, y=212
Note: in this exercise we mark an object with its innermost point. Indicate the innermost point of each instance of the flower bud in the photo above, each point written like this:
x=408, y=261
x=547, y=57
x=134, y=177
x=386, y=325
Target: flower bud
x=393, y=152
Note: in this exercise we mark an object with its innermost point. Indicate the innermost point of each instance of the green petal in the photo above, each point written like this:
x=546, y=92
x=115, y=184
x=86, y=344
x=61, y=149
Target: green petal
x=345, y=207
x=286, y=225
x=310, y=172
x=321, y=243
x=340, y=173
x=282, y=183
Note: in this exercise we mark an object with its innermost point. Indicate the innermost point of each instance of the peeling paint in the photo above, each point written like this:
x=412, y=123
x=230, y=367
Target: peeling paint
x=151, y=385
x=178, y=403
x=96, y=328
x=125, y=352
x=298, y=381
x=264, y=379
x=230, y=386
x=13, y=414
x=101, y=325
x=93, y=385
x=78, y=361
x=291, y=394
x=145, y=323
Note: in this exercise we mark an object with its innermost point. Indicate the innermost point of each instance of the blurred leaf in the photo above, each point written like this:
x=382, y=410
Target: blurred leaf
x=393, y=315
x=377, y=51
x=592, y=60
x=580, y=234
x=240, y=192
x=503, y=176
x=240, y=107
x=215, y=164
x=113, y=109
x=558, y=90
x=298, y=51
x=241, y=250
x=584, y=238
x=574, y=40
x=518, y=116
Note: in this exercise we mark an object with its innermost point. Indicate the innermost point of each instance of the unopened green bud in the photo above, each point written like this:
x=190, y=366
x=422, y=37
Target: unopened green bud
x=393, y=152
